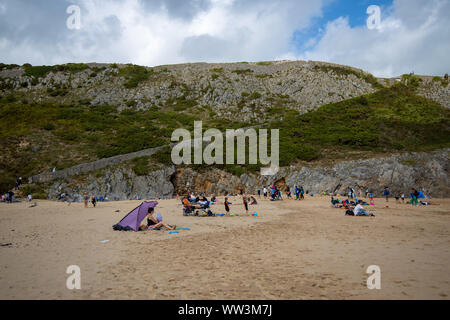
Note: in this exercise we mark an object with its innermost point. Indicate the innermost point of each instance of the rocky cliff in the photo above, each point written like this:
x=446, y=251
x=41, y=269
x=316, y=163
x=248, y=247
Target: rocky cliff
x=400, y=172
x=250, y=88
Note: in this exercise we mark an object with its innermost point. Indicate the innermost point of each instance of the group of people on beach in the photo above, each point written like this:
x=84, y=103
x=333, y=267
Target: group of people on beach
x=354, y=206
x=193, y=204
x=92, y=199
x=277, y=194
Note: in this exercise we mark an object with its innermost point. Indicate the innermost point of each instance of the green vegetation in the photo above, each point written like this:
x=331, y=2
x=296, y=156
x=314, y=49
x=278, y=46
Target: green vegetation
x=8, y=66
x=242, y=71
x=42, y=71
x=62, y=131
x=264, y=63
x=134, y=75
x=263, y=76
x=411, y=81
x=140, y=166
x=443, y=81
x=36, y=191
x=255, y=95
x=390, y=119
x=345, y=71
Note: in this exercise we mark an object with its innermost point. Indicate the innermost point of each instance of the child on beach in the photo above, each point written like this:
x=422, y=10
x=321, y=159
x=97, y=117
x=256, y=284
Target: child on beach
x=227, y=206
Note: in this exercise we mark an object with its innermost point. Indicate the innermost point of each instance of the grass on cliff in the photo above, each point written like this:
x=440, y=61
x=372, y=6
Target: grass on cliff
x=389, y=120
x=35, y=137
x=346, y=71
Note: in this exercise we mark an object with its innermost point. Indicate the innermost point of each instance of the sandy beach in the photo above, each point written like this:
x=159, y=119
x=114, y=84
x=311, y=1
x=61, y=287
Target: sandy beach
x=292, y=250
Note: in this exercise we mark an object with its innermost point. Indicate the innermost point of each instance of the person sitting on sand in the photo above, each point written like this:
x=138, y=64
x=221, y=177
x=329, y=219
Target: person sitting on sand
x=253, y=201
x=154, y=224
x=359, y=210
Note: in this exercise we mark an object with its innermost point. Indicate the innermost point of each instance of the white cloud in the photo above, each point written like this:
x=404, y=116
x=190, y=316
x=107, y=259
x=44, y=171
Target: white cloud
x=134, y=31
x=413, y=36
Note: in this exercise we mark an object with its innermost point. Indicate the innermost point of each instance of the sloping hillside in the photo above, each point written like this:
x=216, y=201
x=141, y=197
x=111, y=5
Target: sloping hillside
x=60, y=116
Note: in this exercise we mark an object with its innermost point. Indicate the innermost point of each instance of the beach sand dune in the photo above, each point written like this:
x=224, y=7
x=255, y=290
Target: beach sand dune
x=292, y=250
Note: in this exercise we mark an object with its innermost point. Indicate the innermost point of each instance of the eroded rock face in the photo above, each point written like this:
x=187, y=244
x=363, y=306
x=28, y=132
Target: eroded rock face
x=250, y=88
x=399, y=172
x=436, y=91
x=118, y=184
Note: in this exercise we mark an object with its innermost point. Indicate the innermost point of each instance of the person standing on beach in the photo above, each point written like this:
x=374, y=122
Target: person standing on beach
x=259, y=193
x=288, y=192
x=265, y=192
x=414, y=195
x=245, y=201
x=94, y=201
x=85, y=199
x=403, y=198
x=10, y=197
x=227, y=206
x=386, y=193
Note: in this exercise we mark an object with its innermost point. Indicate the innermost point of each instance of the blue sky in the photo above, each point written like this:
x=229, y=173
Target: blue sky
x=412, y=36
x=355, y=11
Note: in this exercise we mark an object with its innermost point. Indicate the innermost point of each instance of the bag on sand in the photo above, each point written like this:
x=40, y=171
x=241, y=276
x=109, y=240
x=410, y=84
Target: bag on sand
x=349, y=213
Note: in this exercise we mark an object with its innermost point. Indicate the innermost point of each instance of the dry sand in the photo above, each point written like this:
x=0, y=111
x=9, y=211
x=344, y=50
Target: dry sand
x=293, y=250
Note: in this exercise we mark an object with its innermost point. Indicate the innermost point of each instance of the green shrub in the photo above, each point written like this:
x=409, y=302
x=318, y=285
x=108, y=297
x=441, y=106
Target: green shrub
x=264, y=63
x=40, y=196
x=140, y=166
x=242, y=71
x=49, y=126
x=38, y=71
x=134, y=75
x=163, y=156
x=255, y=95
